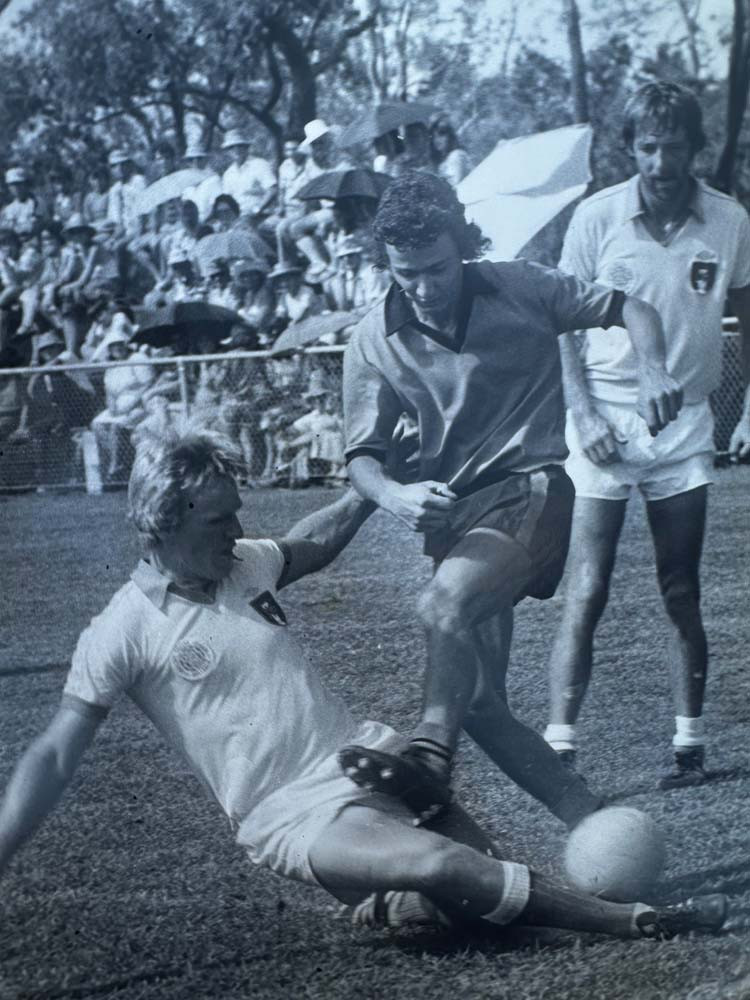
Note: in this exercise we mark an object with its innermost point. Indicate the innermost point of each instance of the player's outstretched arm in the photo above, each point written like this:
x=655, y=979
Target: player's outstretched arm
x=40, y=778
x=659, y=395
x=739, y=300
x=317, y=539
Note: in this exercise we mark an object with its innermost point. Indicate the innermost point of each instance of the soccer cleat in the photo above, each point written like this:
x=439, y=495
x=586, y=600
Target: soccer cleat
x=391, y=910
x=405, y=776
x=687, y=771
x=701, y=913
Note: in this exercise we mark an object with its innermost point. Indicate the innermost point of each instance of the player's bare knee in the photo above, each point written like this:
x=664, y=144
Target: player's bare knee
x=438, y=610
x=440, y=867
x=682, y=603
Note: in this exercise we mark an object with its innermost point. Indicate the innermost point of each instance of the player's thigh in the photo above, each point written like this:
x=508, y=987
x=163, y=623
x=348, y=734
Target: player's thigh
x=594, y=536
x=479, y=578
x=367, y=848
x=677, y=528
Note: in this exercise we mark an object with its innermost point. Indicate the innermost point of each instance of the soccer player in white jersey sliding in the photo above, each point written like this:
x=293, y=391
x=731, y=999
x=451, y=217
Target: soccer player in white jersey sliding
x=678, y=244
x=200, y=642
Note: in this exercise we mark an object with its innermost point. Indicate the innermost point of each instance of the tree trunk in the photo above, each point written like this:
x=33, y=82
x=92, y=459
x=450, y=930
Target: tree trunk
x=577, y=61
x=304, y=90
x=739, y=86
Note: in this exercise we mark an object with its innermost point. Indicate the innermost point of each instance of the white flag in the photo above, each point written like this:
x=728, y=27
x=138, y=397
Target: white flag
x=524, y=183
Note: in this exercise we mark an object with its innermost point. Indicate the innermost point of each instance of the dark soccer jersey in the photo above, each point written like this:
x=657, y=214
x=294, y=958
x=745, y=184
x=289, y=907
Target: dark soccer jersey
x=487, y=404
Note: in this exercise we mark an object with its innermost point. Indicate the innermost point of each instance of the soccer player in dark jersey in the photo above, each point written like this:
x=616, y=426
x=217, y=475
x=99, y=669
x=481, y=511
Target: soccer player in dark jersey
x=469, y=352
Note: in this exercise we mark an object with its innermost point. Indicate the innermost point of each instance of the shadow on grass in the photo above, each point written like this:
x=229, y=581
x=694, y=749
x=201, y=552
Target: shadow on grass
x=645, y=787
x=732, y=879
x=479, y=939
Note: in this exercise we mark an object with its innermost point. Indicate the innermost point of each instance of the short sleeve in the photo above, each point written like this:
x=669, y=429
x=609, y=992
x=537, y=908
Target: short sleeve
x=741, y=274
x=371, y=406
x=101, y=669
x=579, y=252
x=574, y=304
x=264, y=560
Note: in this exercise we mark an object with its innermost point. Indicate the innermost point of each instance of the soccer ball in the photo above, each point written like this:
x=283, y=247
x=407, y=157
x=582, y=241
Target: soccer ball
x=617, y=853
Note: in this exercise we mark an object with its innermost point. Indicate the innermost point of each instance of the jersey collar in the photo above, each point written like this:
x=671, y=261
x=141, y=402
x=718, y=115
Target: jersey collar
x=634, y=205
x=151, y=583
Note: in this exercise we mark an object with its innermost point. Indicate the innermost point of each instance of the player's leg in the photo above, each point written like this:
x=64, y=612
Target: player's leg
x=677, y=526
x=515, y=748
x=365, y=849
x=593, y=545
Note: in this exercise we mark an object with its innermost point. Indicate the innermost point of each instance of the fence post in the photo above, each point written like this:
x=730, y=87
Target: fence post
x=183, y=388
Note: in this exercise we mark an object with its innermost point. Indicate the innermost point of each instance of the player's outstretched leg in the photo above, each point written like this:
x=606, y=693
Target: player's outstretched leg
x=365, y=850
x=677, y=526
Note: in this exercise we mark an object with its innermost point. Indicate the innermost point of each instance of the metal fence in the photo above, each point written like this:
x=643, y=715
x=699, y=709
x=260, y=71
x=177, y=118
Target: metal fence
x=77, y=426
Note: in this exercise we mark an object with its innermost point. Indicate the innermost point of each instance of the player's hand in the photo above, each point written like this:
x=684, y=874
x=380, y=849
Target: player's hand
x=598, y=439
x=739, y=444
x=659, y=398
x=422, y=506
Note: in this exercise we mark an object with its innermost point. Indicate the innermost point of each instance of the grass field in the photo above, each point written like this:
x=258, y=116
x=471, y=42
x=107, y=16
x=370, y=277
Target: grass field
x=134, y=889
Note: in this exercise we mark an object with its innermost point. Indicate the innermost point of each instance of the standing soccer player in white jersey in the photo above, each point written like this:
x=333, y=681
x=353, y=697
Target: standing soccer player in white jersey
x=199, y=641
x=682, y=246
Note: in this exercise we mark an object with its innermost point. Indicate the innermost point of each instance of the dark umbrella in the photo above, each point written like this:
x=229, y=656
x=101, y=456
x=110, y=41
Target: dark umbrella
x=385, y=118
x=354, y=183
x=307, y=331
x=160, y=327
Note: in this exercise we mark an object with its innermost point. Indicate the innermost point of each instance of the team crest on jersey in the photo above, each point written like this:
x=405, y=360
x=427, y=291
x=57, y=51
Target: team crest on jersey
x=703, y=269
x=619, y=275
x=191, y=659
x=267, y=606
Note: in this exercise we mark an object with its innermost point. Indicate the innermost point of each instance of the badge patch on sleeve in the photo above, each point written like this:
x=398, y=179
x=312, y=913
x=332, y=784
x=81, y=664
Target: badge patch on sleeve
x=267, y=606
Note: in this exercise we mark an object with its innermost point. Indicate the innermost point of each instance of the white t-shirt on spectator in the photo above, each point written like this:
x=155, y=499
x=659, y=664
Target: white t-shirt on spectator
x=249, y=183
x=121, y=202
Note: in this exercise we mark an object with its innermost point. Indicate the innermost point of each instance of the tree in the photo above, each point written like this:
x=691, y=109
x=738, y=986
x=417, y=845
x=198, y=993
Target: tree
x=572, y=22
x=737, y=94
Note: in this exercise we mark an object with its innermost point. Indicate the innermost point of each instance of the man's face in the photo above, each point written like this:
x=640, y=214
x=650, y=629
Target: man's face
x=290, y=150
x=238, y=154
x=18, y=190
x=430, y=275
x=663, y=160
x=201, y=548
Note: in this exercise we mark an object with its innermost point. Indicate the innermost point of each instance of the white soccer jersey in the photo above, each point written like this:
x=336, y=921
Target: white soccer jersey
x=686, y=280
x=226, y=684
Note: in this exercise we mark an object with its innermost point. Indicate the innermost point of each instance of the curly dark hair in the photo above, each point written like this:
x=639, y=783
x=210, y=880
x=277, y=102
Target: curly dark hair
x=667, y=106
x=415, y=210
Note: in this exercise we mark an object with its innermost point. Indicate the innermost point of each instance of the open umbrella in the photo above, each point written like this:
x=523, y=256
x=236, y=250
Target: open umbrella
x=355, y=183
x=385, y=118
x=160, y=327
x=307, y=331
x=166, y=188
x=231, y=245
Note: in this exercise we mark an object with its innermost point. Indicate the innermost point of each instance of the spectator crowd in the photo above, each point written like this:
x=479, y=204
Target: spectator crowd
x=261, y=247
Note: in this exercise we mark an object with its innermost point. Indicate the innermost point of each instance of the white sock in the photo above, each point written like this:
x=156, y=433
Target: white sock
x=516, y=889
x=688, y=732
x=560, y=737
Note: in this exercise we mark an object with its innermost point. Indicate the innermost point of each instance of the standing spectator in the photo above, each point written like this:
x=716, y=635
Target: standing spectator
x=250, y=180
x=21, y=213
x=96, y=199
x=650, y=236
x=319, y=439
x=122, y=196
x=449, y=159
x=205, y=193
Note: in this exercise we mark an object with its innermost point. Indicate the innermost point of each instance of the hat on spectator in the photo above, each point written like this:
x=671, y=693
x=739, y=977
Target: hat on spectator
x=77, y=224
x=235, y=137
x=120, y=331
x=195, y=151
x=16, y=175
x=119, y=156
x=50, y=339
x=349, y=244
x=248, y=264
x=316, y=388
x=315, y=129
x=283, y=268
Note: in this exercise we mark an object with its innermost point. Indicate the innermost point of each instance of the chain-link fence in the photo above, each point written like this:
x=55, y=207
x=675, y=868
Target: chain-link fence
x=77, y=426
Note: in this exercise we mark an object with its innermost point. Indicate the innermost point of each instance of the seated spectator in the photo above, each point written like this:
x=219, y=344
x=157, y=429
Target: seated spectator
x=21, y=214
x=183, y=237
x=294, y=299
x=95, y=201
x=356, y=285
x=251, y=294
x=319, y=437
x=122, y=197
x=124, y=388
x=20, y=267
x=62, y=202
x=38, y=310
x=292, y=175
x=449, y=159
x=77, y=292
x=387, y=148
x=205, y=193
x=181, y=284
x=250, y=180
x=217, y=288
x=113, y=320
